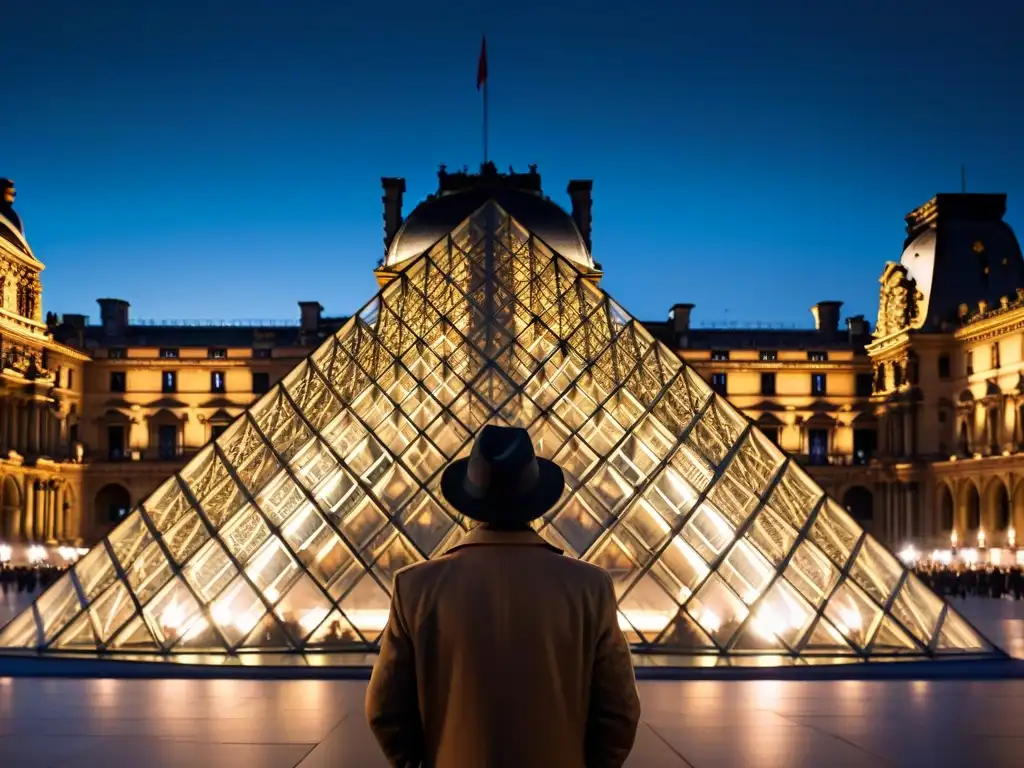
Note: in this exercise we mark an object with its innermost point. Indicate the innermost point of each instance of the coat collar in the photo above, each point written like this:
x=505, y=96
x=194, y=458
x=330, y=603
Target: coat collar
x=484, y=535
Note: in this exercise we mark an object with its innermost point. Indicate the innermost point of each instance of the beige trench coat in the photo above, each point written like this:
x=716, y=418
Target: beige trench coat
x=501, y=653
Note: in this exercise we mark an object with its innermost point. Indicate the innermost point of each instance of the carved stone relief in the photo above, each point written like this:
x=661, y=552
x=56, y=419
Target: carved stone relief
x=899, y=301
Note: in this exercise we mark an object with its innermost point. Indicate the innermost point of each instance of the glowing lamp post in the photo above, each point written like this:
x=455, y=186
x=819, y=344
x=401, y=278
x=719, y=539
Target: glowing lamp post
x=981, y=538
x=953, y=540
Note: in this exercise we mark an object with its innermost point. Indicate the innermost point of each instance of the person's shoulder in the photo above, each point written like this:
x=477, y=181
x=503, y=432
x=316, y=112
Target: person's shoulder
x=581, y=570
x=423, y=571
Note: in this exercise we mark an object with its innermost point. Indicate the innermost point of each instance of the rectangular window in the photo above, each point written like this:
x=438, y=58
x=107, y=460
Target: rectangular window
x=117, y=353
x=261, y=353
x=71, y=378
x=167, y=441
x=168, y=382
x=817, y=356
x=864, y=384
x=118, y=381
x=995, y=355
x=969, y=362
x=817, y=445
x=767, y=383
x=719, y=382
x=217, y=353
x=217, y=381
x=772, y=433
x=217, y=430
x=260, y=382
x=769, y=355
x=944, y=366
x=818, y=384
x=115, y=443
x=169, y=353
x=719, y=354
x=865, y=443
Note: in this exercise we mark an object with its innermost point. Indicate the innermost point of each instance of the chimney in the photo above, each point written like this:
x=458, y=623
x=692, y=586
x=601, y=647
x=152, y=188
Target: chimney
x=579, y=194
x=857, y=326
x=393, y=191
x=310, y=314
x=680, y=317
x=113, y=316
x=826, y=316
x=73, y=321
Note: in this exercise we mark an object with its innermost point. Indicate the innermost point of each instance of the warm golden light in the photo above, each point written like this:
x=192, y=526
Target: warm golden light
x=953, y=538
x=328, y=485
x=1011, y=537
x=981, y=538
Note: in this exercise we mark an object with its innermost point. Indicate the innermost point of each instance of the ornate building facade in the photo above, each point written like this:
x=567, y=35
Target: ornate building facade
x=915, y=427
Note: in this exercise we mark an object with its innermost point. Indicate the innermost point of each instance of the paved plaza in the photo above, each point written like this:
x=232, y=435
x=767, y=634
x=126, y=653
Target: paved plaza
x=704, y=724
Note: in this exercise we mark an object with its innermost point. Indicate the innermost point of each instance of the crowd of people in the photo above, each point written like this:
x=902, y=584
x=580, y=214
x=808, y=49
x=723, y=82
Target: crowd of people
x=27, y=579
x=1001, y=583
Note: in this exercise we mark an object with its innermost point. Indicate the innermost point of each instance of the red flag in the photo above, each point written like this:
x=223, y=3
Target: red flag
x=481, y=67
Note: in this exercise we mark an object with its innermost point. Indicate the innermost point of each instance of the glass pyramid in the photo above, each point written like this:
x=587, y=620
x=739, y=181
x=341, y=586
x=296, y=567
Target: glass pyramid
x=284, y=534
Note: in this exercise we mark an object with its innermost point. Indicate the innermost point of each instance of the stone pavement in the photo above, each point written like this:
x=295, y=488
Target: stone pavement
x=316, y=724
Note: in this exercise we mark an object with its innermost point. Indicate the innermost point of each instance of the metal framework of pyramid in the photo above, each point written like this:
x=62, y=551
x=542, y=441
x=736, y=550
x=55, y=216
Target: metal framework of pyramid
x=284, y=534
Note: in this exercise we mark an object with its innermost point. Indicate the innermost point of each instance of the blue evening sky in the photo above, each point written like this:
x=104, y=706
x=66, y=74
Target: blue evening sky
x=223, y=159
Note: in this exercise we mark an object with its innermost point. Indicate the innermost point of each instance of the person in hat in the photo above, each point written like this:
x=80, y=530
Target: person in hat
x=502, y=652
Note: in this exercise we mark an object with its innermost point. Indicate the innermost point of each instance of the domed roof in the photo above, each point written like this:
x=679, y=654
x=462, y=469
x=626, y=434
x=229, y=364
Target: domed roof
x=11, y=228
x=440, y=214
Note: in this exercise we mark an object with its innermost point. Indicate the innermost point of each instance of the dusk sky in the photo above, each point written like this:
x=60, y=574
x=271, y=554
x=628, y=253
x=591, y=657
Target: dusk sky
x=223, y=160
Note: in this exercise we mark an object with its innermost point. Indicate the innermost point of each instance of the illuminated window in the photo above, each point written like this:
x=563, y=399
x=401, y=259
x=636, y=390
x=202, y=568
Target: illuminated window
x=818, y=356
x=769, y=355
x=217, y=353
x=169, y=353
x=818, y=384
x=719, y=382
x=167, y=441
x=168, y=381
x=217, y=381
x=719, y=355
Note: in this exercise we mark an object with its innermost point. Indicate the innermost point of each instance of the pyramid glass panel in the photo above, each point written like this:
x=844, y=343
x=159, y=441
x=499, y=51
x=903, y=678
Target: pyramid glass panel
x=285, y=533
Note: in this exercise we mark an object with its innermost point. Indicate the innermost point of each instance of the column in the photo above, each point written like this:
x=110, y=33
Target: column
x=51, y=528
x=29, y=526
x=60, y=514
x=40, y=510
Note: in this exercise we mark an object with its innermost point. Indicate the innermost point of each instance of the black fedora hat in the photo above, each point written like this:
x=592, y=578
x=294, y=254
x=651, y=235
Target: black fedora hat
x=502, y=481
